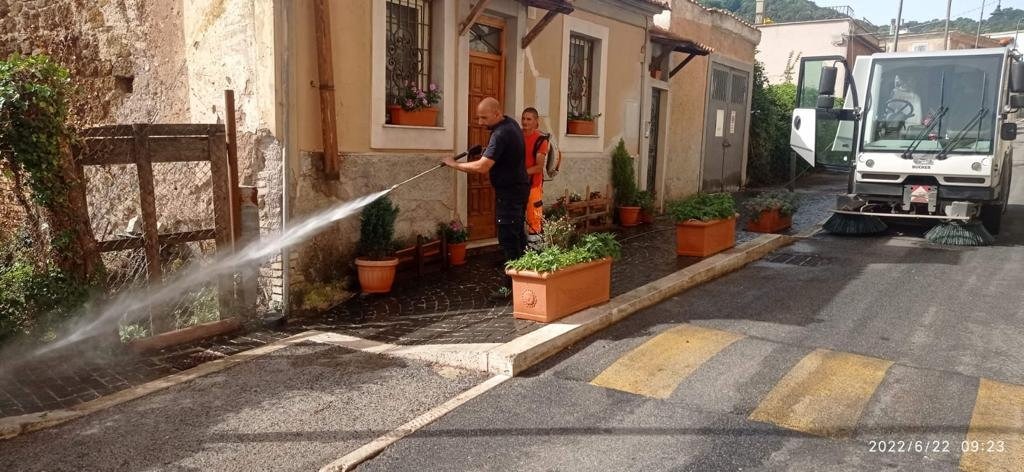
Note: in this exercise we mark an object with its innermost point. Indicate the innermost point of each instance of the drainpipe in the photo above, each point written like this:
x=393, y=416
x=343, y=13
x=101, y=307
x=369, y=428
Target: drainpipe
x=286, y=153
x=325, y=70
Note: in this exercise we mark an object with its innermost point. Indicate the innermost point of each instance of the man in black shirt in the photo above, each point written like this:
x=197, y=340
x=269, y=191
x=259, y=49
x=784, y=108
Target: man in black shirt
x=503, y=160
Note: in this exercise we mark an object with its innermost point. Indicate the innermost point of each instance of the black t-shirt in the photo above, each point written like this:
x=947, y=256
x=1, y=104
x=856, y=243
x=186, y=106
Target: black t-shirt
x=507, y=148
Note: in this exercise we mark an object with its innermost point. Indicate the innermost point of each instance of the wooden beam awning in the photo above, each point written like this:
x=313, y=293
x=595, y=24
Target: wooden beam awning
x=553, y=7
x=678, y=43
x=672, y=42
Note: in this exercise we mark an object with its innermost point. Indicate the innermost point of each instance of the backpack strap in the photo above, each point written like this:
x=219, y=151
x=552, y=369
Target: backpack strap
x=540, y=141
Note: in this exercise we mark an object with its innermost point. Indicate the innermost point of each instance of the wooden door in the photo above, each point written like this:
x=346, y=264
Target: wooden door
x=486, y=79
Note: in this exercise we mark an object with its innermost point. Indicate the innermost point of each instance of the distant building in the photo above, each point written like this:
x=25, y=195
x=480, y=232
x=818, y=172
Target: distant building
x=1009, y=38
x=784, y=43
x=935, y=41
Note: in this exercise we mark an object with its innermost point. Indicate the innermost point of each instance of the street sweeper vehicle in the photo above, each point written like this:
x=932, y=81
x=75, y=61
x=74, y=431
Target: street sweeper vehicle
x=924, y=136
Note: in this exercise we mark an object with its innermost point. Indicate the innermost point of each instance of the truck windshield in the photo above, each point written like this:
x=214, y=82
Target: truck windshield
x=906, y=94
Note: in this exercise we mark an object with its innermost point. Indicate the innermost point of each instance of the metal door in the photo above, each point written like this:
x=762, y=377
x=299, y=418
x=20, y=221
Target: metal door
x=654, y=130
x=725, y=129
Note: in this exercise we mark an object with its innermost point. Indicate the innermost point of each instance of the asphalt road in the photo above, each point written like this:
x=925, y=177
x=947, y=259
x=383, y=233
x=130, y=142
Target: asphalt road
x=822, y=357
x=298, y=409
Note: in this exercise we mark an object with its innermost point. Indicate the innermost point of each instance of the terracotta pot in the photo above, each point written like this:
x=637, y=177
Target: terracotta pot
x=584, y=127
x=422, y=117
x=646, y=217
x=702, y=239
x=376, y=276
x=549, y=296
x=457, y=254
x=770, y=221
x=656, y=74
x=629, y=216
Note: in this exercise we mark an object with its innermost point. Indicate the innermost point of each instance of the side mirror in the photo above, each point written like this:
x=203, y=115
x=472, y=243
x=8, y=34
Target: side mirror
x=1008, y=131
x=827, y=84
x=1016, y=101
x=1017, y=77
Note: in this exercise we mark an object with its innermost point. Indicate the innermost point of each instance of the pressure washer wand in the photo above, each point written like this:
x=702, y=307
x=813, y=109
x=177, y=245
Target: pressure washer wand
x=472, y=151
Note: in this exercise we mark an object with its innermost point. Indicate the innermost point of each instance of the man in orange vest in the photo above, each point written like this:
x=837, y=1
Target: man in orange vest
x=537, y=147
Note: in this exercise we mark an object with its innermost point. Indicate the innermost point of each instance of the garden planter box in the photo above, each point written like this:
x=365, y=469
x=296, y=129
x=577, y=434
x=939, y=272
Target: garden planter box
x=185, y=335
x=587, y=128
x=702, y=239
x=423, y=117
x=770, y=221
x=546, y=297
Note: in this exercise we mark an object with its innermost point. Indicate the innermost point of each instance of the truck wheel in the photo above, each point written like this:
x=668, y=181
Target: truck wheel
x=992, y=218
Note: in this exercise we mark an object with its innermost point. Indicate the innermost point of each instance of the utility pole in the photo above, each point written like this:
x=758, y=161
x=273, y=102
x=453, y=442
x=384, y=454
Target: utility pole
x=899, y=20
x=949, y=11
x=981, y=17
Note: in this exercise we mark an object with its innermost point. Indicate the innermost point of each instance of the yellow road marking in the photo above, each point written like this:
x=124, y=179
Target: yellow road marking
x=995, y=439
x=824, y=394
x=657, y=367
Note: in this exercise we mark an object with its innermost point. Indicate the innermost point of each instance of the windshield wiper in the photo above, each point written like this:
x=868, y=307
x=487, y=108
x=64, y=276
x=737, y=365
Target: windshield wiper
x=951, y=145
x=909, y=153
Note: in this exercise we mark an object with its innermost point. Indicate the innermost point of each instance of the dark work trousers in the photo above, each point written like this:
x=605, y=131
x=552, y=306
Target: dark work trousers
x=510, y=213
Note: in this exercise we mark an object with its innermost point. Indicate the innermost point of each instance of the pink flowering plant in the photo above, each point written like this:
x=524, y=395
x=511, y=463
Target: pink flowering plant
x=412, y=97
x=454, y=231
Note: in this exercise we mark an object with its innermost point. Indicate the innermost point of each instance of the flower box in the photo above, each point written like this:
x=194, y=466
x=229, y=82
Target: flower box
x=549, y=296
x=582, y=127
x=701, y=239
x=770, y=221
x=421, y=117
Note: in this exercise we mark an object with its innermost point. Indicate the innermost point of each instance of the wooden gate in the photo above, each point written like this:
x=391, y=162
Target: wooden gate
x=142, y=146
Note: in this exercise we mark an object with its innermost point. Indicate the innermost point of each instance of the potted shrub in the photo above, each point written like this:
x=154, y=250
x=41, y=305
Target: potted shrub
x=375, y=264
x=645, y=200
x=771, y=211
x=455, y=234
x=571, y=273
x=416, y=107
x=624, y=182
x=705, y=224
x=582, y=123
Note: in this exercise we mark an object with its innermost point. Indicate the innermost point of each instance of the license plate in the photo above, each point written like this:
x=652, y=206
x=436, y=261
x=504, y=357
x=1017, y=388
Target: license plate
x=920, y=193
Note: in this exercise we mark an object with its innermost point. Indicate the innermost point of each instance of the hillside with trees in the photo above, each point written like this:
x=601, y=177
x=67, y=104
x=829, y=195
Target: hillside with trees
x=779, y=11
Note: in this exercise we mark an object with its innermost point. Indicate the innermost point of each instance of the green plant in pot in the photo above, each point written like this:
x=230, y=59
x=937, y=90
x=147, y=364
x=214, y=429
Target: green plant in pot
x=375, y=263
x=705, y=224
x=645, y=200
x=455, y=235
x=571, y=273
x=624, y=183
x=771, y=211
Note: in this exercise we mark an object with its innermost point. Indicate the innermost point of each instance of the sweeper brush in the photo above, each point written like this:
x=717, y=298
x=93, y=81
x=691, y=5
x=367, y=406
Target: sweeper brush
x=956, y=233
x=854, y=225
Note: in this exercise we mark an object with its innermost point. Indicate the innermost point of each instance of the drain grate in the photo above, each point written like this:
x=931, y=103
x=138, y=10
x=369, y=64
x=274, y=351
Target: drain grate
x=803, y=260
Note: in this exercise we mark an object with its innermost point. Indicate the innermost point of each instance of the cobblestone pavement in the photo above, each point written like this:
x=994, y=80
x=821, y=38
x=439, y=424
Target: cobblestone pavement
x=439, y=308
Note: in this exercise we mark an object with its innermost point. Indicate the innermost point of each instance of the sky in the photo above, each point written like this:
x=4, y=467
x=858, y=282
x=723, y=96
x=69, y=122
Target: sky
x=880, y=12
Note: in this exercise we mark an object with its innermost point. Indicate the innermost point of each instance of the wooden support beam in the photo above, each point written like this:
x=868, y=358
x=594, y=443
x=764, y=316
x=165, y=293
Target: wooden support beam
x=681, y=65
x=222, y=222
x=475, y=13
x=232, y=144
x=537, y=28
x=325, y=68
x=159, y=320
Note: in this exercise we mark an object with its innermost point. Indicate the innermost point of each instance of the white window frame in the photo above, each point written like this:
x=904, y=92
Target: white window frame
x=443, y=50
x=599, y=33
x=914, y=47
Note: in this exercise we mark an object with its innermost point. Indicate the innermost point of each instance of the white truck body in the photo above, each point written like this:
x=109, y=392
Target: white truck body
x=928, y=132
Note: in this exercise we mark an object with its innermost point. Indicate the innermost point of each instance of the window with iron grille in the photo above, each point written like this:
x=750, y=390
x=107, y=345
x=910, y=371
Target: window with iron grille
x=719, y=85
x=739, y=89
x=581, y=76
x=408, y=45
